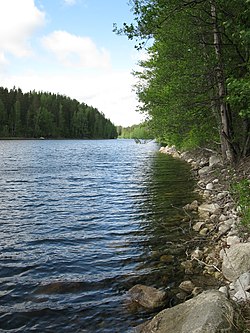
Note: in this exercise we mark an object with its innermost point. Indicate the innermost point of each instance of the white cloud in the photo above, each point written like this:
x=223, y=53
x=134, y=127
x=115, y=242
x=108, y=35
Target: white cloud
x=18, y=21
x=76, y=51
x=3, y=60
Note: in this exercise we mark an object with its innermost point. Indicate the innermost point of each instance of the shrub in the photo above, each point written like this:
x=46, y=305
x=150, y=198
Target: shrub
x=241, y=193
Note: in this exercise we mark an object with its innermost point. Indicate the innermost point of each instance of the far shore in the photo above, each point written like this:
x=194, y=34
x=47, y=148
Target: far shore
x=43, y=138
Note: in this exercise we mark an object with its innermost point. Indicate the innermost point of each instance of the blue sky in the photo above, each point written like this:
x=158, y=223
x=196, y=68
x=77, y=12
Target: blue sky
x=68, y=47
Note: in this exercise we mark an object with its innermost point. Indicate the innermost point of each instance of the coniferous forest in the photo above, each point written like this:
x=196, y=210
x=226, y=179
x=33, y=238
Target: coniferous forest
x=42, y=114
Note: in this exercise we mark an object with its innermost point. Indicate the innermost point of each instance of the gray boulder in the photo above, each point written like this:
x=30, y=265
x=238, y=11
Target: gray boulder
x=236, y=261
x=209, y=312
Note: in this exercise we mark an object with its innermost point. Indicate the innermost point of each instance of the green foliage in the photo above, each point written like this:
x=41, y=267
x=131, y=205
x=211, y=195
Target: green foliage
x=39, y=114
x=141, y=131
x=194, y=85
x=239, y=95
x=241, y=193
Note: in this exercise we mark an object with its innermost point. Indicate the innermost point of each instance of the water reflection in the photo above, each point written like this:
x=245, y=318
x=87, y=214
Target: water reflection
x=169, y=188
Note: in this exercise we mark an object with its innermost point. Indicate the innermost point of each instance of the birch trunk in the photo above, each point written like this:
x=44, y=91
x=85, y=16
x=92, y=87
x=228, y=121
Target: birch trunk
x=224, y=112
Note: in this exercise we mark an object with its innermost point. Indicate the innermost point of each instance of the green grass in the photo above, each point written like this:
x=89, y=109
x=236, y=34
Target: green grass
x=241, y=194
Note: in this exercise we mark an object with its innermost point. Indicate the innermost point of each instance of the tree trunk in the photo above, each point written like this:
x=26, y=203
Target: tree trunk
x=224, y=111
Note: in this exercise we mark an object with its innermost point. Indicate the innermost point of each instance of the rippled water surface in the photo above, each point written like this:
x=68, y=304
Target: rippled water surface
x=81, y=222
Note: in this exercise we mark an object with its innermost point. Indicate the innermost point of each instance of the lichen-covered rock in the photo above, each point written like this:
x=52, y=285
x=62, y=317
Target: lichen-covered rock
x=236, y=261
x=147, y=297
x=209, y=312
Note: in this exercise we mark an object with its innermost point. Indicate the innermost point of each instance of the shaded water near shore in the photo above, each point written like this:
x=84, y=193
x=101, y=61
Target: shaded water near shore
x=81, y=223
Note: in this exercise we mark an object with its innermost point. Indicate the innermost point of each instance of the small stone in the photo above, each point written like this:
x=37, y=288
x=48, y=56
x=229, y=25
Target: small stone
x=203, y=162
x=223, y=228
x=228, y=206
x=229, y=222
x=206, y=193
x=203, y=231
x=203, y=171
x=231, y=286
x=209, y=186
x=232, y=240
x=198, y=226
x=210, y=270
x=217, y=275
x=210, y=226
x=196, y=254
x=213, y=217
x=148, y=297
x=211, y=257
x=222, y=217
x=167, y=258
x=224, y=290
x=233, y=232
x=214, y=160
x=181, y=295
x=176, y=154
x=196, y=291
x=206, y=250
x=187, y=286
x=188, y=266
x=216, y=181
x=194, y=205
x=186, y=207
x=208, y=209
x=195, y=165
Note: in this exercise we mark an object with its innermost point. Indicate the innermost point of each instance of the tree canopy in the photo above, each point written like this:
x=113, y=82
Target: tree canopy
x=194, y=85
x=42, y=114
x=140, y=131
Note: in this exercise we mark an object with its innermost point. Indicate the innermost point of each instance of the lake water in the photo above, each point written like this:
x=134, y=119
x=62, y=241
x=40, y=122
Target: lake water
x=81, y=222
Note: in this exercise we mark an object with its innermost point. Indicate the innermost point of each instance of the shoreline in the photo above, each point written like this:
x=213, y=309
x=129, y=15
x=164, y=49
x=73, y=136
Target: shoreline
x=218, y=228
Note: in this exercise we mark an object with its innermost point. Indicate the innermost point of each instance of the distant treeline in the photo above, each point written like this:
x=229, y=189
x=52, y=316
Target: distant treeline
x=42, y=114
x=140, y=131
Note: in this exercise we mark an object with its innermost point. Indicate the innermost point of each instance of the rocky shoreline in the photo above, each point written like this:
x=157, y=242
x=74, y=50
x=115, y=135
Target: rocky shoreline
x=222, y=254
